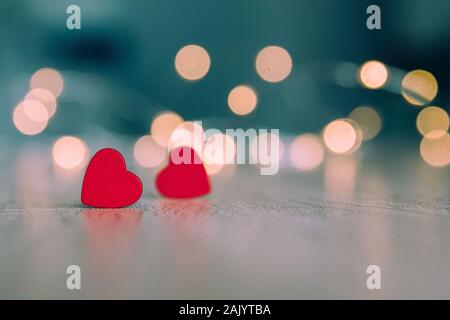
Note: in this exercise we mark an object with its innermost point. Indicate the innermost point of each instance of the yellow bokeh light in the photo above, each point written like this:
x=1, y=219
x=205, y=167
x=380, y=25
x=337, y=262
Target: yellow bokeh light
x=187, y=134
x=45, y=97
x=242, y=100
x=163, y=125
x=148, y=153
x=273, y=64
x=368, y=120
x=306, y=152
x=192, y=62
x=436, y=152
x=419, y=87
x=373, y=74
x=70, y=152
x=25, y=124
x=342, y=136
x=433, y=122
x=219, y=150
x=49, y=79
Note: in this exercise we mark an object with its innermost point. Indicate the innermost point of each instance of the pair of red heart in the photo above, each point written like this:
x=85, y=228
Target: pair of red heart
x=108, y=184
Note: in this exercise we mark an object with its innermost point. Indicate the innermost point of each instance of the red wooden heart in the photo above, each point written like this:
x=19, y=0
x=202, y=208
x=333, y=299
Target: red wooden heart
x=107, y=183
x=187, y=179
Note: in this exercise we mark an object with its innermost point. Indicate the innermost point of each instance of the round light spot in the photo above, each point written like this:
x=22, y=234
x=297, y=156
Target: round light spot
x=306, y=152
x=342, y=136
x=368, y=120
x=242, y=100
x=373, y=74
x=45, y=97
x=35, y=110
x=273, y=64
x=163, y=125
x=433, y=122
x=192, y=62
x=148, y=153
x=70, y=152
x=436, y=152
x=25, y=124
x=48, y=78
x=419, y=87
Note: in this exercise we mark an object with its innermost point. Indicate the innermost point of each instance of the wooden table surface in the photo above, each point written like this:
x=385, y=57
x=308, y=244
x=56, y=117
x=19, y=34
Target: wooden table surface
x=292, y=235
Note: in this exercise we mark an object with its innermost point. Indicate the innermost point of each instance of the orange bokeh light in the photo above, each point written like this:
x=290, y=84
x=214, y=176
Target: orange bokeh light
x=192, y=62
x=342, y=136
x=35, y=110
x=273, y=64
x=25, y=124
x=163, y=125
x=70, y=152
x=48, y=78
x=148, y=153
x=45, y=97
x=306, y=152
x=433, y=122
x=419, y=87
x=436, y=152
x=242, y=100
x=373, y=74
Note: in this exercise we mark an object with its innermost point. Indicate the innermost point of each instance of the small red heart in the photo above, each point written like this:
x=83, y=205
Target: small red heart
x=107, y=182
x=183, y=179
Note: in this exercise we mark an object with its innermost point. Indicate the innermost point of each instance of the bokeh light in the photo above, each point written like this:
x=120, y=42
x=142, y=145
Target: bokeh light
x=368, y=120
x=419, y=87
x=25, y=124
x=436, y=152
x=342, y=136
x=35, y=110
x=265, y=141
x=49, y=79
x=44, y=96
x=433, y=122
x=242, y=100
x=148, y=153
x=273, y=64
x=192, y=62
x=163, y=125
x=373, y=74
x=306, y=152
x=70, y=152
x=219, y=150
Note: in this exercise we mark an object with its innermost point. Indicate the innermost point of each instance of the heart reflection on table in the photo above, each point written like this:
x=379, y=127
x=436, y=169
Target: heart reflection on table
x=111, y=228
x=184, y=228
x=185, y=207
x=111, y=240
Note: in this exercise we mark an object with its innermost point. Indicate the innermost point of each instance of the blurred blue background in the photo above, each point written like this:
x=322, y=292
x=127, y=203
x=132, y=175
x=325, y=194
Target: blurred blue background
x=118, y=69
